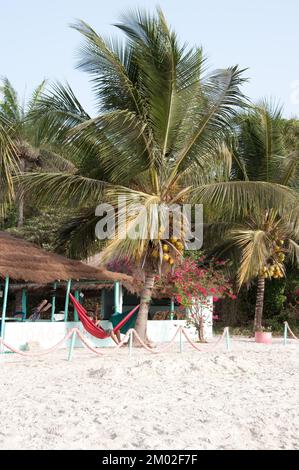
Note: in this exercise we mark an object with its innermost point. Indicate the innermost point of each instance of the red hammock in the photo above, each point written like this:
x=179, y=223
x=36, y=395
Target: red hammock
x=91, y=327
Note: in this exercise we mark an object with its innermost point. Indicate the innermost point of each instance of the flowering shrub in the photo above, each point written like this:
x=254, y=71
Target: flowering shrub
x=193, y=283
x=196, y=280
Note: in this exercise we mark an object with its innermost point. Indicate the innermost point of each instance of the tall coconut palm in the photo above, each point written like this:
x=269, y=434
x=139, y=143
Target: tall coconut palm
x=20, y=142
x=160, y=120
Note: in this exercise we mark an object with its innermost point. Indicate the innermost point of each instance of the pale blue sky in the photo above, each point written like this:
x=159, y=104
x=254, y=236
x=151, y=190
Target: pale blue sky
x=263, y=35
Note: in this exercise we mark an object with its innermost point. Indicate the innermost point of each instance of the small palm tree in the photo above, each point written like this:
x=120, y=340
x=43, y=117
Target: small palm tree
x=21, y=144
x=154, y=142
x=266, y=243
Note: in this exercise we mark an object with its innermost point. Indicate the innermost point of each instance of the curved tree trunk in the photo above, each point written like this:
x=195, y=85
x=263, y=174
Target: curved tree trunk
x=259, y=306
x=145, y=299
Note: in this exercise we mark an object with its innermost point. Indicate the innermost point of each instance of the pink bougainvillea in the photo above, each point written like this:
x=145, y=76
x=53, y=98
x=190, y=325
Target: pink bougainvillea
x=196, y=280
x=193, y=280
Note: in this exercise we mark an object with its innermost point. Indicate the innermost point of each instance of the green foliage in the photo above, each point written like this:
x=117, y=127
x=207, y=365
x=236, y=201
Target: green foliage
x=275, y=297
x=165, y=131
x=158, y=135
x=22, y=147
x=41, y=229
x=291, y=134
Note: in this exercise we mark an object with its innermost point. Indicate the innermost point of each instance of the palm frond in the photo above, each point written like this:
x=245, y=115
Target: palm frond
x=235, y=198
x=9, y=165
x=208, y=118
x=9, y=102
x=36, y=95
x=113, y=70
x=62, y=188
x=76, y=236
x=254, y=245
x=293, y=251
x=260, y=141
x=290, y=168
x=56, y=112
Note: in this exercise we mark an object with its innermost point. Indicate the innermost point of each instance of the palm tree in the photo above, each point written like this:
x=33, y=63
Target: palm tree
x=266, y=242
x=160, y=122
x=20, y=142
x=261, y=152
x=265, y=150
x=8, y=167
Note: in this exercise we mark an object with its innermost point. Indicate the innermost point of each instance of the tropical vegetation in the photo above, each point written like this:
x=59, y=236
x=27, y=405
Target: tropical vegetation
x=166, y=132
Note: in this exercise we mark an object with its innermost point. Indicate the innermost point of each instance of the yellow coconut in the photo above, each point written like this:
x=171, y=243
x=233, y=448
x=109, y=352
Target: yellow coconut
x=161, y=232
x=165, y=248
x=180, y=246
x=281, y=256
x=166, y=257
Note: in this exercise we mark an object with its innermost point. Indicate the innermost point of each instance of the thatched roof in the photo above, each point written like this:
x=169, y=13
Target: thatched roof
x=25, y=262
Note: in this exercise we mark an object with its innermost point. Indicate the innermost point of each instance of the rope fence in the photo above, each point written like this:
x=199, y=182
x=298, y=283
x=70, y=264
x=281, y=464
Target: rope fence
x=194, y=345
x=128, y=339
x=75, y=332
x=39, y=353
x=285, y=334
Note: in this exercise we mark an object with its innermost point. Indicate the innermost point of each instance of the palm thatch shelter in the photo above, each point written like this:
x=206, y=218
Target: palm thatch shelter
x=25, y=267
x=26, y=262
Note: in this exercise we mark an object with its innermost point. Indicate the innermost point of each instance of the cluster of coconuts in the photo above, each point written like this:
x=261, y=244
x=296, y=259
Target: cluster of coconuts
x=274, y=270
x=169, y=248
x=275, y=267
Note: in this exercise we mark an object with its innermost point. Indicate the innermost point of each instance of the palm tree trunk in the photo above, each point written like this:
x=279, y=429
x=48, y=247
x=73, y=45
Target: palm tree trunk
x=20, y=210
x=20, y=196
x=145, y=299
x=200, y=331
x=259, y=306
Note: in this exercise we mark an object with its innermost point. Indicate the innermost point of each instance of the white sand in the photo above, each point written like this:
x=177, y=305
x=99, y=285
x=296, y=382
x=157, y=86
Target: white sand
x=244, y=399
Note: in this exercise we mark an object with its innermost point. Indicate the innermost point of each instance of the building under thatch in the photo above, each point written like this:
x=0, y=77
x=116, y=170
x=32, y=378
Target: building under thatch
x=26, y=262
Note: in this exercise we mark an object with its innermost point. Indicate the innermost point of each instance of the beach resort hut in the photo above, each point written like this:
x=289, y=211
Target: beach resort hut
x=26, y=268
x=28, y=271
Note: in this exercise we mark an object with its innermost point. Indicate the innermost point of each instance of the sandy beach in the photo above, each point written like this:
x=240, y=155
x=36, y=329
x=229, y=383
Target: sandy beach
x=247, y=398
